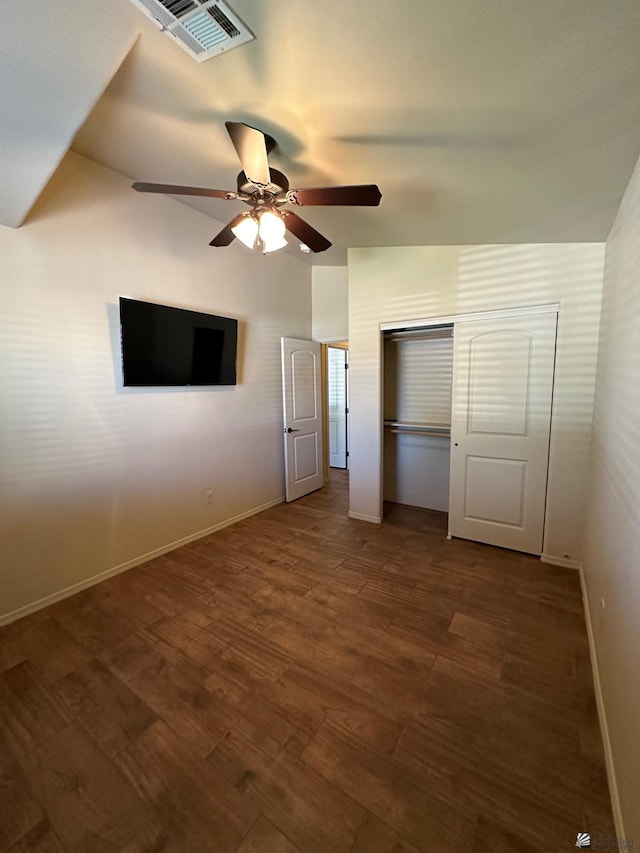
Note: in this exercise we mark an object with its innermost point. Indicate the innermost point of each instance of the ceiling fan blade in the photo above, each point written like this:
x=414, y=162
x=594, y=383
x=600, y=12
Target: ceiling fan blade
x=226, y=236
x=364, y=194
x=170, y=189
x=251, y=147
x=304, y=232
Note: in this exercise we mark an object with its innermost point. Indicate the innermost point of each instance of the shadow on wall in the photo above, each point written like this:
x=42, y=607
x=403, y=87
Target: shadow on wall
x=512, y=276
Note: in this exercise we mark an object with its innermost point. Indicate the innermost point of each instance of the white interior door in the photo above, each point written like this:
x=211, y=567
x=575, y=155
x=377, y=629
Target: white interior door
x=337, y=370
x=501, y=414
x=302, y=404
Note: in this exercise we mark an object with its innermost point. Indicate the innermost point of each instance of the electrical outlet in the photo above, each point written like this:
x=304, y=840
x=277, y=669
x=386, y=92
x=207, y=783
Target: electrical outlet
x=208, y=496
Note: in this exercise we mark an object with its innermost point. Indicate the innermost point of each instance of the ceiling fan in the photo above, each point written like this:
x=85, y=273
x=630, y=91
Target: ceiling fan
x=266, y=191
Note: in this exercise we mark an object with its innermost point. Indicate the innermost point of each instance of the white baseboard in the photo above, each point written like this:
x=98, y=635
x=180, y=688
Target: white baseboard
x=373, y=519
x=6, y=618
x=602, y=715
x=561, y=561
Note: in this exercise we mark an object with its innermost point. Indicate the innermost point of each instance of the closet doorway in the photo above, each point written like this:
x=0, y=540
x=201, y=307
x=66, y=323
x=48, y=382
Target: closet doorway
x=418, y=374
x=467, y=420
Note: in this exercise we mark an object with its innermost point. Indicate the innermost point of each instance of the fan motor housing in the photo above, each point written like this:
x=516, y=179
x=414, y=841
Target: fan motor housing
x=279, y=184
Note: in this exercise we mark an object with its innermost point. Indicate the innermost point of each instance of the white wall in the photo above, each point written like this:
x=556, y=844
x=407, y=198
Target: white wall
x=330, y=304
x=396, y=284
x=416, y=470
x=55, y=66
x=95, y=475
x=612, y=557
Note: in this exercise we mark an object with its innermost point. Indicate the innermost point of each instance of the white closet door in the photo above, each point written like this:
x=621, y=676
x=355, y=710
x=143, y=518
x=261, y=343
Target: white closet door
x=501, y=415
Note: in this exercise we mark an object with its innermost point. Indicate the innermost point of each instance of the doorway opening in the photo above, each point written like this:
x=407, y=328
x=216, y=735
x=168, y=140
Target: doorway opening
x=418, y=374
x=336, y=397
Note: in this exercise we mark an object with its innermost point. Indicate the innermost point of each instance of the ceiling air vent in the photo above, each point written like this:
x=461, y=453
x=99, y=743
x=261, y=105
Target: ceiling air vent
x=204, y=28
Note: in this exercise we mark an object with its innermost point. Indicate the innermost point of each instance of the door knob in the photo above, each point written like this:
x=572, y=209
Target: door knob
x=292, y=430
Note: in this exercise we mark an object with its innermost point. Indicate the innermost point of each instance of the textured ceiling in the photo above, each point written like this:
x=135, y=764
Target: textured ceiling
x=482, y=122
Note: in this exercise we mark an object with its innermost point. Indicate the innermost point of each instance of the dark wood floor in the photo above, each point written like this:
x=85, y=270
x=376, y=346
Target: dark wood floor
x=306, y=682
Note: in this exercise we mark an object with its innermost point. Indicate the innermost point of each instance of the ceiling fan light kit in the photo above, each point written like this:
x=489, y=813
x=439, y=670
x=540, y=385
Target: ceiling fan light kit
x=266, y=191
x=263, y=228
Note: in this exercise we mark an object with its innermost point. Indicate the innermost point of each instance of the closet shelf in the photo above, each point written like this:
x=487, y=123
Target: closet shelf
x=409, y=428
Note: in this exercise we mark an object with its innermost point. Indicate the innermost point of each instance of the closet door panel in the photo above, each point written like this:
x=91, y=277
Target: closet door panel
x=501, y=415
x=503, y=503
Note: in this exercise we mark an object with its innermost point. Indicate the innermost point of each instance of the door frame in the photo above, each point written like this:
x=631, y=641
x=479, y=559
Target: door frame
x=324, y=372
x=399, y=325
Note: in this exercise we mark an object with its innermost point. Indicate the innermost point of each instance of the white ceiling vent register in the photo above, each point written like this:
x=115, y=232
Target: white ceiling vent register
x=204, y=28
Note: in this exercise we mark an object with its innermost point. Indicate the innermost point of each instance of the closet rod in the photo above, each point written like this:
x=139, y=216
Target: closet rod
x=438, y=332
x=416, y=428
x=419, y=432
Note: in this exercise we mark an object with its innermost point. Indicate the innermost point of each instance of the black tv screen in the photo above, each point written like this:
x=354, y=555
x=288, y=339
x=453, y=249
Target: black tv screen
x=171, y=346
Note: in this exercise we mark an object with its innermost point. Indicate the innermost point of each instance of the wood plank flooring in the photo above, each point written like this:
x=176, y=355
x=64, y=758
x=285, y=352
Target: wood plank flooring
x=304, y=683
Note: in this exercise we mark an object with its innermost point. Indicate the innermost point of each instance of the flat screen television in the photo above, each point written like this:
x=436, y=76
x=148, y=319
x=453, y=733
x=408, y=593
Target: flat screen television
x=171, y=346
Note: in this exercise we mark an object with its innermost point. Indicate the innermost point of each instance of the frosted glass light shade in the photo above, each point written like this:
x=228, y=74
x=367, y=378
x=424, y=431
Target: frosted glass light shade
x=246, y=231
x=272, y=227
x=273, y=245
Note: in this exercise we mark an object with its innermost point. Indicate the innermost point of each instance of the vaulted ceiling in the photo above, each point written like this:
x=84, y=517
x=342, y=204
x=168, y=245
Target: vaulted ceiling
x=482, y=122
